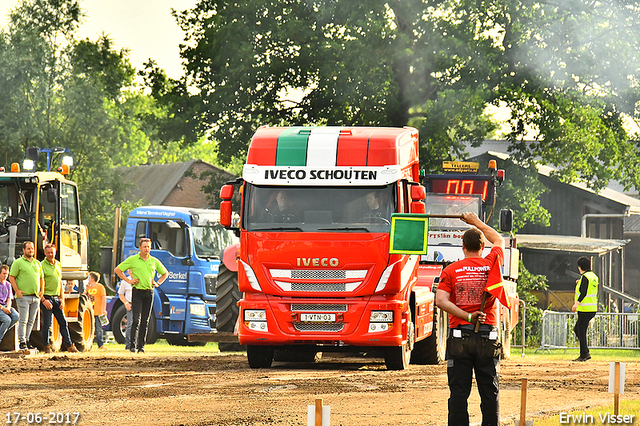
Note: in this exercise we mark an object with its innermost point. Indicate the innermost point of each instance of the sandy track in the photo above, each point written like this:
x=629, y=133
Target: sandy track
x=220, y=389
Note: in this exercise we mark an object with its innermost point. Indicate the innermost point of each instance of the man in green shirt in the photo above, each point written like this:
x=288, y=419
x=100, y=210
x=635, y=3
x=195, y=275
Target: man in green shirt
x=143, y=268
x=27, y=281
x=52, y=301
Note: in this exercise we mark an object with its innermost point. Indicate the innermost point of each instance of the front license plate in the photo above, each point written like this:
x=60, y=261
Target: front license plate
x=317, y=317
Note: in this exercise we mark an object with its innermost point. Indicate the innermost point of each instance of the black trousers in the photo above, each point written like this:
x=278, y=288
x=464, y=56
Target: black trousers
x=582, y=324
x=56, y=311
x=141, y=304
x=467, y=354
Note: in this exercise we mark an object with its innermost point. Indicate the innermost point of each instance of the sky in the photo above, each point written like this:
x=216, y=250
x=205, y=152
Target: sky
x=145, y=27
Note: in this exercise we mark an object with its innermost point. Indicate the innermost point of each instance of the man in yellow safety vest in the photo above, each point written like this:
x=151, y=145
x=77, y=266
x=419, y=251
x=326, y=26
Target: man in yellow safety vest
x=586, y=304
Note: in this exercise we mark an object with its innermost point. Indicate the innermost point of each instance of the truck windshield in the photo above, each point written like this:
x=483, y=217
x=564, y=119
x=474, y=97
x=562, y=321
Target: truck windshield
x=451, y=205
x=319, y=209
x=209, y=240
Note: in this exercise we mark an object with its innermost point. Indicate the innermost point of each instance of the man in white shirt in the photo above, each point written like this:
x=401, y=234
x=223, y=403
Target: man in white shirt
x=124, y=293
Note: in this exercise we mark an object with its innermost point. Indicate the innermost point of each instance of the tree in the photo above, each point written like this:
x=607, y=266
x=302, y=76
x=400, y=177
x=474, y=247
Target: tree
x=566, y=69
x=77, y=94
x=336, y=62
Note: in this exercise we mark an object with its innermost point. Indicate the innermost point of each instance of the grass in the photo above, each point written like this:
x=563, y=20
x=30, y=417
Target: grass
x=622, y=355
x=161, y=347
x=625, y=408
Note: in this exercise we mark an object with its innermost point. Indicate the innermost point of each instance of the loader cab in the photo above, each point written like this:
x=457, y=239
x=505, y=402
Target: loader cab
x=44, y=208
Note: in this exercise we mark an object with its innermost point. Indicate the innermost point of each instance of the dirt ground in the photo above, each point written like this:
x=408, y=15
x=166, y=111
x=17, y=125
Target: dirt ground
x=210, y=388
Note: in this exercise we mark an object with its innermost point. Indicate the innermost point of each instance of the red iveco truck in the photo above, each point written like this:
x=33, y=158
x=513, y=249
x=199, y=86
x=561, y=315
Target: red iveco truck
x=313, y=263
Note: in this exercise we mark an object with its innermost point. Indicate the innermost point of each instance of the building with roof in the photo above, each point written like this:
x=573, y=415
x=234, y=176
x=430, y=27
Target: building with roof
x=174, y=184
x=604, y=226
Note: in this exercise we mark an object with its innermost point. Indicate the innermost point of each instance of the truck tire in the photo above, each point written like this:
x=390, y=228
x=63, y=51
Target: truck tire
x=432, y=350
x=398, y=357
x=152, y=329
x=119, y=324
x=259, y=356
x=83, y=331
x=227, y=297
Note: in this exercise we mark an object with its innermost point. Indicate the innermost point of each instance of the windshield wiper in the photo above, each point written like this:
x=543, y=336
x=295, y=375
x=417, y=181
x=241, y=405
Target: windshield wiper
x=281, y=228
x=346, y=228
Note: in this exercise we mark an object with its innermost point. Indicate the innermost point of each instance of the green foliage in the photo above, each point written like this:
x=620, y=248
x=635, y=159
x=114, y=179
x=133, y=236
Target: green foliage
x=527, y=283
x=567, y=70
x=61, y=92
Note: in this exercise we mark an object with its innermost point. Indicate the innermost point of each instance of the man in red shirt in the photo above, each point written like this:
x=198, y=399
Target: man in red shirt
x=460, y=293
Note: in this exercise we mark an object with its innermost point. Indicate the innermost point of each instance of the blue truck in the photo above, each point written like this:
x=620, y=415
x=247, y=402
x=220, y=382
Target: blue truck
x=188, y=242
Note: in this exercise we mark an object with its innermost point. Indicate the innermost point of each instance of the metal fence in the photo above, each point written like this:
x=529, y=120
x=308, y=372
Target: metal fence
x=611, y=331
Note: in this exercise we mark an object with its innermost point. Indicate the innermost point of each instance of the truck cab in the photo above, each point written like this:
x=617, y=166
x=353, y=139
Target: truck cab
x=188, y=243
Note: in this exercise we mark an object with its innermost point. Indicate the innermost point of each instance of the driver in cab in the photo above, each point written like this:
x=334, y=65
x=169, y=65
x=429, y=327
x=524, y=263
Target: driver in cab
x=281, y=211
x=374, y=207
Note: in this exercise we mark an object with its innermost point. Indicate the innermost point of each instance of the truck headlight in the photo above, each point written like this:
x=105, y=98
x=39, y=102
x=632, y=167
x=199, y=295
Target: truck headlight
x=256, y=319
x=381, y=316
x=255, y=315
x=198, y=310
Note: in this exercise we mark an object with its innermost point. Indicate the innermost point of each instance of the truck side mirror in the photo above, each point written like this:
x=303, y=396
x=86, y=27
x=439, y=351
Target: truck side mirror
x=226, y=212
x=506, y=220
x=226, y=192
x=418, y=193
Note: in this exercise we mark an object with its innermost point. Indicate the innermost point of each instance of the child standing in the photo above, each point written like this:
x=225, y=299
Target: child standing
x=98, y=296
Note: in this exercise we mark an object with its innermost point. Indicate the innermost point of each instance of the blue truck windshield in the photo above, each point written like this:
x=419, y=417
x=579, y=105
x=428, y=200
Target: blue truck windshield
x=319, y=209
x=211, y=239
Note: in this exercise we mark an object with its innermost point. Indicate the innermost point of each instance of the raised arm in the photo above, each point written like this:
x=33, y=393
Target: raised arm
x=489, y=233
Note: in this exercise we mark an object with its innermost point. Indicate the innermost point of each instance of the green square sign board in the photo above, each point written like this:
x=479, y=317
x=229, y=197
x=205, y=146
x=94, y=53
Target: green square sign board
x=409, y=233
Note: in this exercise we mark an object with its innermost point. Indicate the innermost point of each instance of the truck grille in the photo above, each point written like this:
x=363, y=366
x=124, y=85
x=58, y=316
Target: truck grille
x=318, y=287
x=318, y=274
x=310, y=307
x=210, y=283
x=330, y=327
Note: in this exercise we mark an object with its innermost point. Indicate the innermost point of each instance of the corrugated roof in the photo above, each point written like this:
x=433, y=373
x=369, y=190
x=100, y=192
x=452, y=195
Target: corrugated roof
x=568, y=243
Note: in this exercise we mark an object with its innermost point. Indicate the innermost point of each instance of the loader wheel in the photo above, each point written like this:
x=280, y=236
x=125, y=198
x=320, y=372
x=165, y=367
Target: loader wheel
x=432, y=350
x=55, y=337
x=227, y=297
x=259, y=356
x=83, y=331
x=398, y=357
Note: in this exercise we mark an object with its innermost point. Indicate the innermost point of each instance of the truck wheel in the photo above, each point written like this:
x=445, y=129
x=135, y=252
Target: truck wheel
x=432, y=350
x=227, y=296
x=152, y=329
x=119, y=324
x=398, y=357
x=83, y=331
x=259, y=356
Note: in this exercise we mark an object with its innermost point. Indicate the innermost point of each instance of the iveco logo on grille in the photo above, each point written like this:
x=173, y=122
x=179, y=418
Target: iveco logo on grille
x=317, y=261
